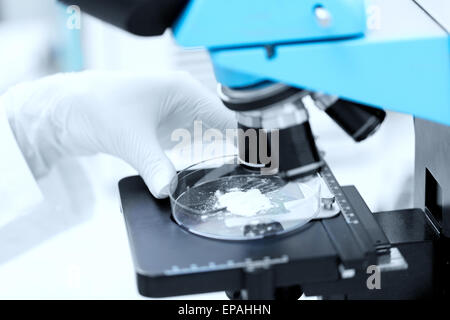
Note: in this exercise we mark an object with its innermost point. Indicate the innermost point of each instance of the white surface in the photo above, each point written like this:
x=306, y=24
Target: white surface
x=439, y=10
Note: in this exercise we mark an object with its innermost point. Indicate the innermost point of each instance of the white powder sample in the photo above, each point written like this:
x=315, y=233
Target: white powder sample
x=243, y=203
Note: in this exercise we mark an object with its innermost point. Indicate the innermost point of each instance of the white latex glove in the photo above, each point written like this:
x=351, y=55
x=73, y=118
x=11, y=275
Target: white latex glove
x=109, y=112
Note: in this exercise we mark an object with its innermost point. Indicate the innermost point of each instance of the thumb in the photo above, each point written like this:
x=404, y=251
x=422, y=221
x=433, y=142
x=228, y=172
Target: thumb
x=157, y=170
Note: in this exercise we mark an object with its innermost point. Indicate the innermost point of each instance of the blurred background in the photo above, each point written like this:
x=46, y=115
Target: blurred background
x=75, y=245
x=36, y=41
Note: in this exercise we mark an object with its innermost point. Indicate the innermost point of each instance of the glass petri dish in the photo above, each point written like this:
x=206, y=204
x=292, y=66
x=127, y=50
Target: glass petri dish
x=220, y=199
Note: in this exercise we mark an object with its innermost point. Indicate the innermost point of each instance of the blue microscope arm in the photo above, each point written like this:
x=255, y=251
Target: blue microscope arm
x=384, y=53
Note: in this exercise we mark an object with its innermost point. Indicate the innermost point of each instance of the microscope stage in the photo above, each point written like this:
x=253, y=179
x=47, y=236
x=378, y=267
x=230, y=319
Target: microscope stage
x=171, y=261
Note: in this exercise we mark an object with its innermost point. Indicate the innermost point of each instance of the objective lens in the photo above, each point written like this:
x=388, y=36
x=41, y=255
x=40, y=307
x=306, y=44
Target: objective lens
x=357, y=120
x=274, y=130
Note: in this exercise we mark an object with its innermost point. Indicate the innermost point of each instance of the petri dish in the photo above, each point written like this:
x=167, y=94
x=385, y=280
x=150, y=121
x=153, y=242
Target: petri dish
x=220, y=199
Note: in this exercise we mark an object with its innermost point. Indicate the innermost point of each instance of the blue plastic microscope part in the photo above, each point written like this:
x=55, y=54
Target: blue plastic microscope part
x=232, y=23
x=403, y=64
x=236, y=79
x=219, y=24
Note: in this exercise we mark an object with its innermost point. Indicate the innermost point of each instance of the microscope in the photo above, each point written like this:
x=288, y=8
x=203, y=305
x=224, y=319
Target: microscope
x=352, y=59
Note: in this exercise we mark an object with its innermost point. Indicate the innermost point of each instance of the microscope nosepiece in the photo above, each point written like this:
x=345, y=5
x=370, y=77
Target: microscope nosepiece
x=273, y=129
x=357, y=120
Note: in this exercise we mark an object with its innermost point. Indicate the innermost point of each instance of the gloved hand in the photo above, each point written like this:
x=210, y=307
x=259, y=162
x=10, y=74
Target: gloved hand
x=110, y=112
